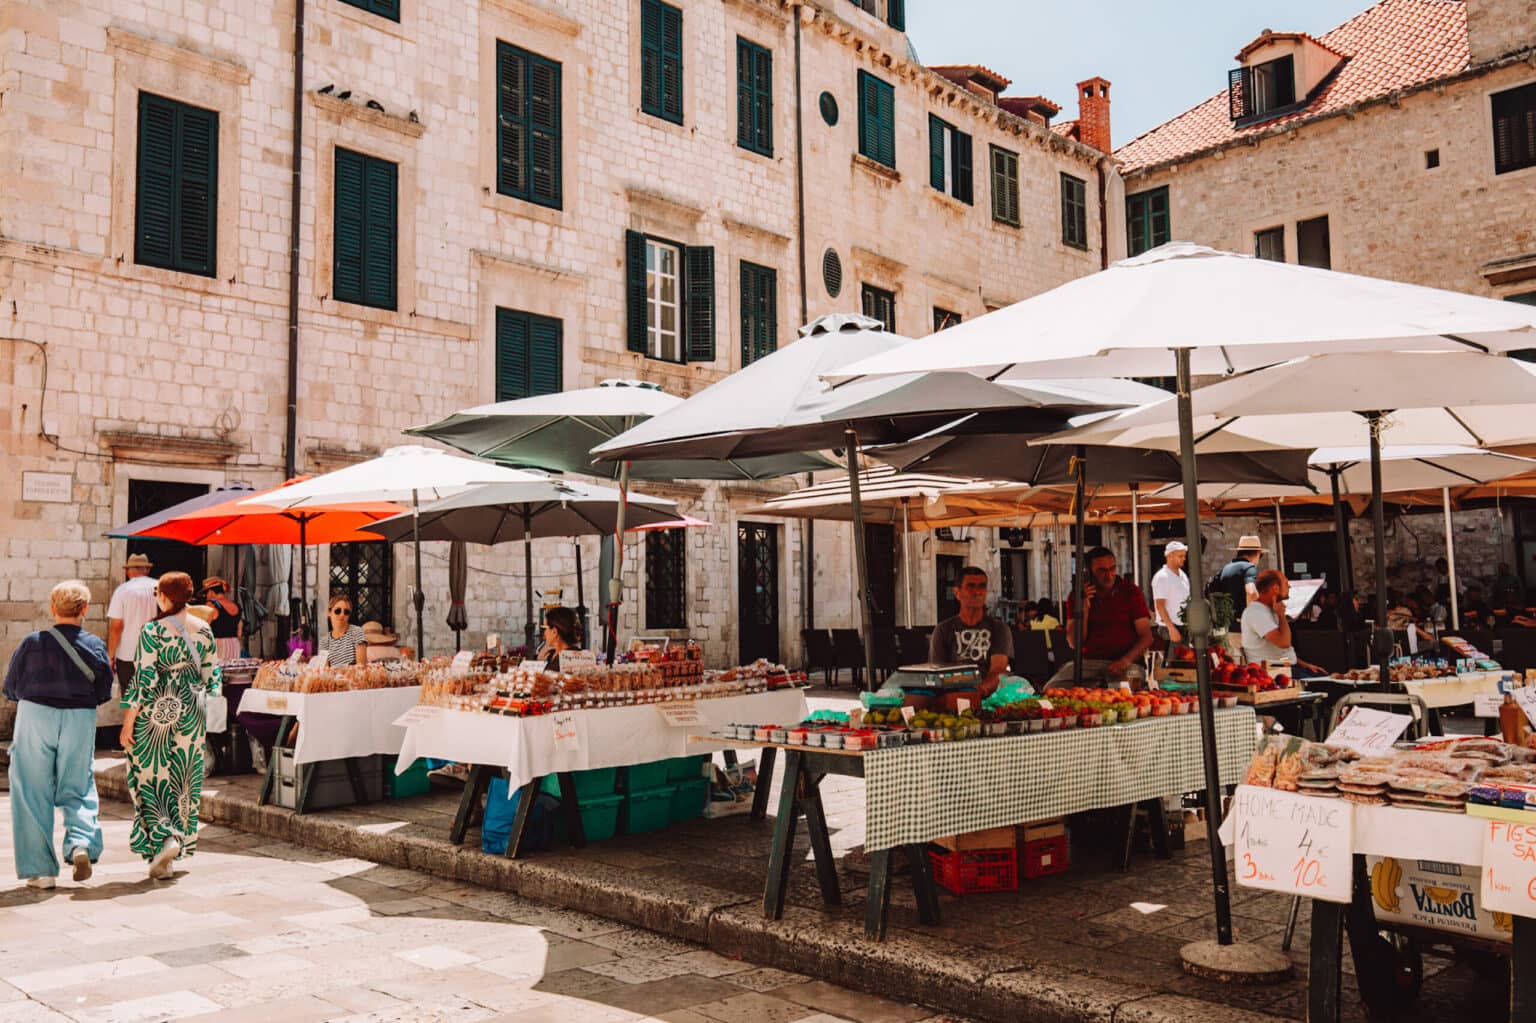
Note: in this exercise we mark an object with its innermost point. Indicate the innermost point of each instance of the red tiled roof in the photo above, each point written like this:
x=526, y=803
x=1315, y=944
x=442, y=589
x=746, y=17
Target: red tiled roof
x=1265, y=37
x=959, y=73
x=1394, y=45
x=1067, y=128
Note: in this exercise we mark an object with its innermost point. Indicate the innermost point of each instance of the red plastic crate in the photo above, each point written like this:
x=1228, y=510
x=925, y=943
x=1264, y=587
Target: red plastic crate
x=975, y=870
x=1044, y=856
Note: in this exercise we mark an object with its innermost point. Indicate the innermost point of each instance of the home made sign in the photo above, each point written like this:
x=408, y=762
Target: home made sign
x=1287, y=842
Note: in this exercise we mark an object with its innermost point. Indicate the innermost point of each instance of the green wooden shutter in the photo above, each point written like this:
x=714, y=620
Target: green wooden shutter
x=511, y=355
x=754, y=97
x=156, y=203
x=762, y=76
x=511, y=121
x=347, y=246
x=896, y=14
x=636, y=313
x=759, y=312
x=887, y=96
x=650, y=57
x=380, y=229
x=197, y=203
x=877, y=120
x=672, y=63
x=544, y=355
x=936, y=152
x=961, y=152
x=545, y=127
x=699, y=292
x=745, y=95
x=383, y=8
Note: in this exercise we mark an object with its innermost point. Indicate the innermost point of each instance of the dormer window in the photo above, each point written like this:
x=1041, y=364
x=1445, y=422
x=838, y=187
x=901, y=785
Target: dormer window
x=1264, y=89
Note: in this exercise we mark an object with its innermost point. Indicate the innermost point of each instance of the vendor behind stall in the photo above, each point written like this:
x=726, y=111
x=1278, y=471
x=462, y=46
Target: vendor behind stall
x=562, y=631
x=1266, y=629
x=1117, y=628
x=973, y=636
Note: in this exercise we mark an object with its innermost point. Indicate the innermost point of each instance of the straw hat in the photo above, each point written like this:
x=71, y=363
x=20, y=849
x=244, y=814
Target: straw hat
x=214, y=580
x=138, y=561
x=374, y=632
x=1249, y=542
x=202, y=611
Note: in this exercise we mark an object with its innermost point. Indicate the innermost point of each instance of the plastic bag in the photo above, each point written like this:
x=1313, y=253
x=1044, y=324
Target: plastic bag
x=1010, y=689
x=501, y=812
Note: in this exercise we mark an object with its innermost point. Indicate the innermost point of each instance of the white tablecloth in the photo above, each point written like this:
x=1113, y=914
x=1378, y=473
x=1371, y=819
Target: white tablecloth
x=336, y=725
x=1406, y=834
x=616, y=737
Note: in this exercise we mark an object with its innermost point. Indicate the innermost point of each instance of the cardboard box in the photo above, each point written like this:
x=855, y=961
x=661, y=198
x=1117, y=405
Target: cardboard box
x=1445, y=896
x=991, y=838
x=1034, y=831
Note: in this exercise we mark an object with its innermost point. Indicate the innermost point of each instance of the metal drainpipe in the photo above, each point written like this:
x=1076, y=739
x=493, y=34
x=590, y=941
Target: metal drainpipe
x=291, y=442
x=807, y=526
x=1103, y=217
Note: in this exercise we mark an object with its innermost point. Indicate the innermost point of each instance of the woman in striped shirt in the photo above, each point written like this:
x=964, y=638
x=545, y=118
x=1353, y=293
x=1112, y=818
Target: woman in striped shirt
x=343, y=644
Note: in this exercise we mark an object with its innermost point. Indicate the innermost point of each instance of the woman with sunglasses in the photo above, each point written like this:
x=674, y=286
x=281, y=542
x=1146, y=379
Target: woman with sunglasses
x=562, y=631
x=343, y=643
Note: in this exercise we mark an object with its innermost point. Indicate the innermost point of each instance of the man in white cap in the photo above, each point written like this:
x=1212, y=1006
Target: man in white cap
x=133, y=604
x=1170, y=589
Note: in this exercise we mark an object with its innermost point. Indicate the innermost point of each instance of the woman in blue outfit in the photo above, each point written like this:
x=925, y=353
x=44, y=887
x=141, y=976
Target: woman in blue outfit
x=57, y=677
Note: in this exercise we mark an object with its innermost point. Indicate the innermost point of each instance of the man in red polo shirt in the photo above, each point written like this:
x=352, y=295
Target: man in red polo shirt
x=1117, y=629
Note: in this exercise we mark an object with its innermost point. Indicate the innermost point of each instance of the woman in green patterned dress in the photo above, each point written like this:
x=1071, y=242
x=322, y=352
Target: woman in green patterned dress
x=163, y=726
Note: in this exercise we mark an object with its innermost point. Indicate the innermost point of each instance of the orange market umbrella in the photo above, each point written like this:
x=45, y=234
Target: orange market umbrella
x=235, y=522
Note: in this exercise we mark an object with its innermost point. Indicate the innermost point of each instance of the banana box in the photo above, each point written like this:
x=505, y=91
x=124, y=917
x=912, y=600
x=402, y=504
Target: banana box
x=1430, y=894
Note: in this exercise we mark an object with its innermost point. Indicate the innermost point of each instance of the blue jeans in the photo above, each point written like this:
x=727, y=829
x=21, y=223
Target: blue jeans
x=51, y=767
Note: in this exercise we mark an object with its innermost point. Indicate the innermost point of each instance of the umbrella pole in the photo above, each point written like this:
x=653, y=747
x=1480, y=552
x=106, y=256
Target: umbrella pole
x=1198, y=624
x=304, y=580
x=1279, y=539
x=1079, y=498
x=419, y=599
x=528, y=577
x=1382, y=640
x=1450, y=559
x=581, y=594
x=906, y=556
x=1340, y=537
x=616, y=584
x=861, y=558
x=1135, y=537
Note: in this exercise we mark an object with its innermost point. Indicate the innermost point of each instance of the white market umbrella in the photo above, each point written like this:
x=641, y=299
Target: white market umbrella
x=1189, y=309
x=409, y=474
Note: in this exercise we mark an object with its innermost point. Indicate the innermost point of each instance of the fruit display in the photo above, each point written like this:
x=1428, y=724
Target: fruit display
x=1438, y=774
x=302, y=677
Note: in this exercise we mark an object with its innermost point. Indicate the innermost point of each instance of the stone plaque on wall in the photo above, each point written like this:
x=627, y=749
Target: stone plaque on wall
x=52, y=487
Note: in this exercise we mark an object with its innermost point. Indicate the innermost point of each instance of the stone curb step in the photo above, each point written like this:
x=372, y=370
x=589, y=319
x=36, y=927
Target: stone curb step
x=979, y=985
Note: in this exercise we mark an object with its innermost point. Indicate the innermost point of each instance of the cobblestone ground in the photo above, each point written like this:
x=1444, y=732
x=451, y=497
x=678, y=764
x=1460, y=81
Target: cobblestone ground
x=251, y=929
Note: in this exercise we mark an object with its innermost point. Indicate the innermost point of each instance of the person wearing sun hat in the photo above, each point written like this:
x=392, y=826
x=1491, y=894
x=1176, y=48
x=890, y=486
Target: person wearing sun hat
x=1239, y=578
x=132, y=604
x=225, y=623
x=380, y=644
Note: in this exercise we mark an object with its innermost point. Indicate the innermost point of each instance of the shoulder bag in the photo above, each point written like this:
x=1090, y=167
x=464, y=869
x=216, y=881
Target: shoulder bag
x=199, y=692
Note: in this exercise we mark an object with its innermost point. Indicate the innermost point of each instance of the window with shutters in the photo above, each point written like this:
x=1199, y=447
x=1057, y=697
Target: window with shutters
x=1074, y=211
x=1263, y=90
x=1005, y=186
x=943, y=319
x=661, y=60
x=670, y=298
x=949, y=159
x=754, y=97
x=1270, y=244
x=1146, y=220
x=880, y=304
x=177, y=205
x=383, y=8
x=892, y=12
x=528, y=354
x=877, y=119
x=366, y=229
x=759, y=312
x=528, y=134
x=666, y=579
x=1313, y=247
x=1514, y=129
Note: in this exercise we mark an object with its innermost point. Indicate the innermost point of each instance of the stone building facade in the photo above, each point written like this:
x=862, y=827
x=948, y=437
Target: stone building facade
x=1397, y=145
x=139, y=365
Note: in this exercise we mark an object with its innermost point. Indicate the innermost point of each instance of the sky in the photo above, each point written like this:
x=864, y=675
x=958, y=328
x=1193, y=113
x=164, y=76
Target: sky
x=1160, y=56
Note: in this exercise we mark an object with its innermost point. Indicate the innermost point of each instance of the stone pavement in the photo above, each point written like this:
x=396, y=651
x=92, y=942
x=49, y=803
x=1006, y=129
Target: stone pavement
x=256, y=929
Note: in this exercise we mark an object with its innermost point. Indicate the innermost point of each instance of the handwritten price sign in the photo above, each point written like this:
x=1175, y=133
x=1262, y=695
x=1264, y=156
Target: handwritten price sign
x=567, y=736
x=1293, y=843
x=1369, y=732
x=681, y=715
x=1509, y=868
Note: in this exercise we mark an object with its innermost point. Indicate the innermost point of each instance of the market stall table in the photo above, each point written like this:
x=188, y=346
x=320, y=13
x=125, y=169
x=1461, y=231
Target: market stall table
x=526, y=749
x=917, y=793
x=332, y=726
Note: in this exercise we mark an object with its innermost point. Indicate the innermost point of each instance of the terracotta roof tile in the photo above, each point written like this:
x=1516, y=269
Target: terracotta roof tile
x=960, y=72
x=1067, y=128
x=1394, y=45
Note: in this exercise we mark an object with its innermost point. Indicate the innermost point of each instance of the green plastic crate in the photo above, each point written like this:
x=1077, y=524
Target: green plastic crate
x=686, y=768
x=647, y=809
x=688, y=799
x=644, y=777
x=600, y=781
x=414, y=782
x=599, y=819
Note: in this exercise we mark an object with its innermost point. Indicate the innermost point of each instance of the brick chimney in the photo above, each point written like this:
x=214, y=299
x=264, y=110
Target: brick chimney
x=1093, y=113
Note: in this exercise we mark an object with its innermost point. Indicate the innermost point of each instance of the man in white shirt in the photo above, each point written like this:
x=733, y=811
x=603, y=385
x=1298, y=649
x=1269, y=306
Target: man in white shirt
x=1266, y=629
x=1170, y=589
x=133, y=604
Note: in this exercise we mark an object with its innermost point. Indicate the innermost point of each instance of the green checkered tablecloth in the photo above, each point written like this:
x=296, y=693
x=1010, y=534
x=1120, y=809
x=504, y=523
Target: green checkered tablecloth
x=919, y=793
